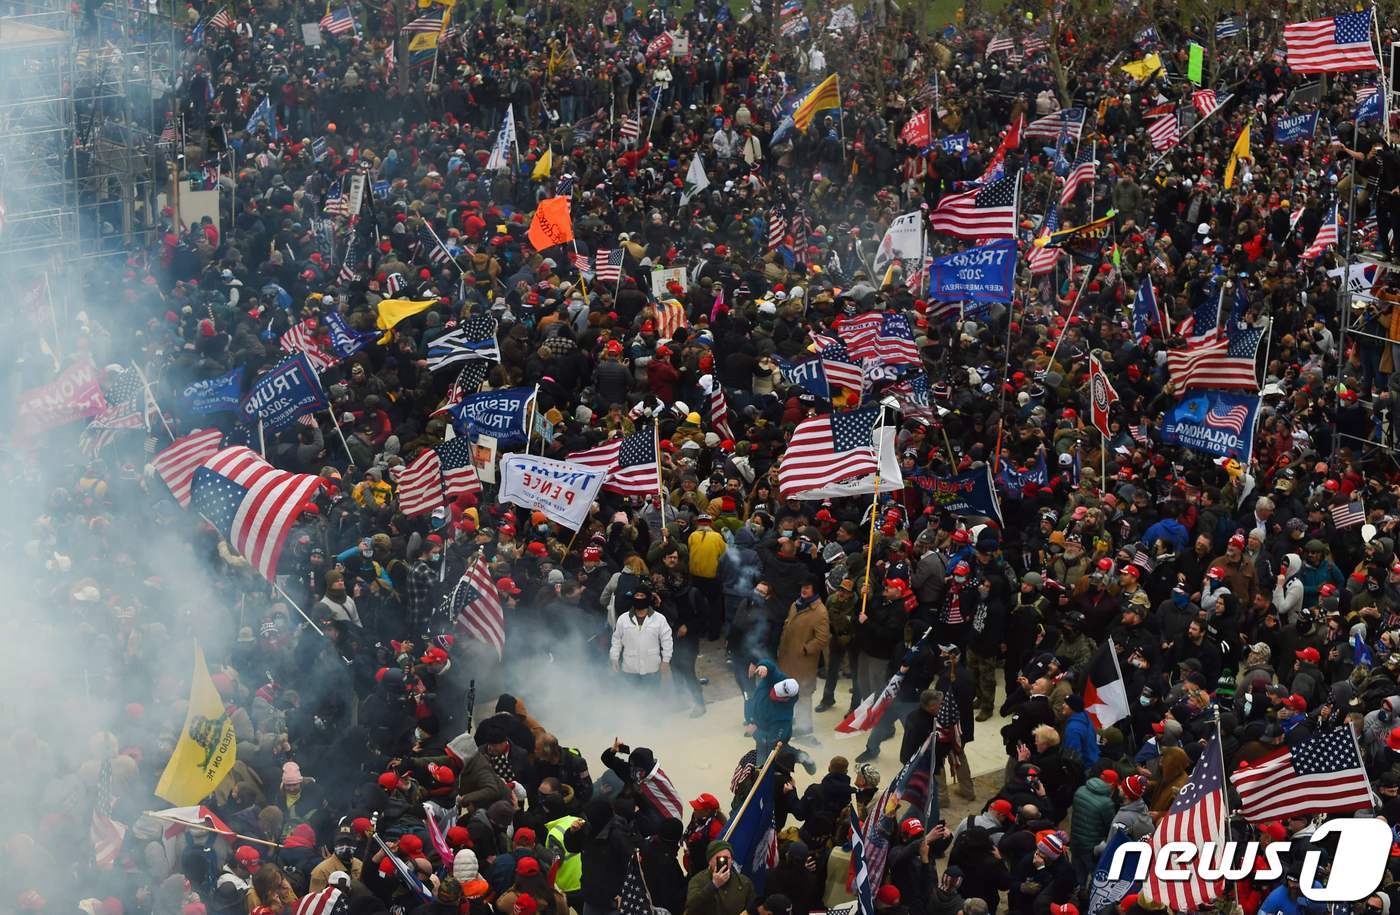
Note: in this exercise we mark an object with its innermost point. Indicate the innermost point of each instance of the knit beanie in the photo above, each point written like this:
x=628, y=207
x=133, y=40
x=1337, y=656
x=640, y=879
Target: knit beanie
x=1051, y=845
x=1134, y=786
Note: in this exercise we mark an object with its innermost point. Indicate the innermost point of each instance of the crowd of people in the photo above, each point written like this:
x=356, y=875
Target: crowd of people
x=1242, y=600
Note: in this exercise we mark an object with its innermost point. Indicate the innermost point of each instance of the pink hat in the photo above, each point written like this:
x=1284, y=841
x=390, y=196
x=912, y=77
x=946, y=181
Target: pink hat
x=291, y=775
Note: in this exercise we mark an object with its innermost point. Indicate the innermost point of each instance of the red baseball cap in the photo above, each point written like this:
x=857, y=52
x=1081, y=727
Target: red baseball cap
x=509, y=586
x=705, y=802
x=1308, y=654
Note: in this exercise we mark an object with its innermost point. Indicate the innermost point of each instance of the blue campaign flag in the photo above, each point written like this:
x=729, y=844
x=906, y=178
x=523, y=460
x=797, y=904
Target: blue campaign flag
x=1105, y=893
x=809, y=374
x=1213, y=422
x=865, y=895
x=953, y=144
x=970, y=493
x=264, y=115
x=1147, y=313
x=289, y=390
x=499, y=413
x=1361, y=652
x=214, y=394
x=1290, y=128
x=380, y=190
x=1368, y=105
x=982, y=274
x=753, y=833
x=1013, y=481
x=345, y=341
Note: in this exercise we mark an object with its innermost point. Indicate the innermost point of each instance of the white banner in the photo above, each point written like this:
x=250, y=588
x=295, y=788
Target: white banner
x=561, y=490
x=901, y=242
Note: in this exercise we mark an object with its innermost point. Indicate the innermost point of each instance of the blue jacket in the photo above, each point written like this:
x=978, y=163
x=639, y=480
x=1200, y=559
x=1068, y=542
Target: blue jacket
x=1080, y=737
x=772, y=717
x=1168, y=529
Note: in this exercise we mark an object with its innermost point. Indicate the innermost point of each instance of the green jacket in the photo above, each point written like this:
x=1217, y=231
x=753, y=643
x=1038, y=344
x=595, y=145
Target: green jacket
x=702, y=897
x=1093, y=815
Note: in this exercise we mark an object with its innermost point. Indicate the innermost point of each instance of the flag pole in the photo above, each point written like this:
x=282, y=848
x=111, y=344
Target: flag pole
x=53, y=318
x=262, y=439
x=146, y=386
x=772, y=755
x=660, y=493
x=1192, y=129
x=429, y=226
x=530, y=427
x=870, y=546
x=336, y=423
x=234, y=835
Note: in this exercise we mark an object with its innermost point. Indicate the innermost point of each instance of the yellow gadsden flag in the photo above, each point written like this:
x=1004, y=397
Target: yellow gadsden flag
x=392, y=311
x=544, y=166
x=207, y=748
x=1241, y=151
x=1142, y=69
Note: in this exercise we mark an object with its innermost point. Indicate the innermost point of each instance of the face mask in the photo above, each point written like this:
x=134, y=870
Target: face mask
x=420, y=734
x=345, y=852
x=1179, y=599
x=435, y=557
x=1144, y=701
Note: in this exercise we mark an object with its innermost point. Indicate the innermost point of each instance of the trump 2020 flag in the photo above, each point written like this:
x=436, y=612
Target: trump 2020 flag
x=214, y=395
x=1290, y=128
x=981, y=274
x=1214, y=422
x=1105, y=696
x=289, y=390
x=753, y=831
x=499, y=413
x=1105, y=892
x=500, y=152
x=206, y=750
x=970, y=493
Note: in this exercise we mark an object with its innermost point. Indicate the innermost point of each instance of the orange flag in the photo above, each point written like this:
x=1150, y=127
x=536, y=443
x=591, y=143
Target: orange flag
x=551, y=225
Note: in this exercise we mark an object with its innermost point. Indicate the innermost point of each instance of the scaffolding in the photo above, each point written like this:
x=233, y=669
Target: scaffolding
x=82, y=105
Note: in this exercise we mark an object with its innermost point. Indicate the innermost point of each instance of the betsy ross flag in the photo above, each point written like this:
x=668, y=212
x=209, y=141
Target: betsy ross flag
x=1323, y=774
x=1348, y=514
x=1326, y=237
x=338, y=22
x=1197, y=816
x=828, y=449
x=1065, y=122
x=177, y=464
x=986, y=212
x=630, y=463
x=1105, y=696
x=437, y=476
x=1165, y=131
x=1223, y=364
x=475, y=605
x=106, y=833
x=1337, y=44
x=253, y=504
x=607, y=265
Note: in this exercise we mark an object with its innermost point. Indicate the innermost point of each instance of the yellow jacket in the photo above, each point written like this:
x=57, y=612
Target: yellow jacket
x=706, y=547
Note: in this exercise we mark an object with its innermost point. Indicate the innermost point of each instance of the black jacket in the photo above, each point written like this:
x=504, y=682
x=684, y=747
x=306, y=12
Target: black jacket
x=607, y=843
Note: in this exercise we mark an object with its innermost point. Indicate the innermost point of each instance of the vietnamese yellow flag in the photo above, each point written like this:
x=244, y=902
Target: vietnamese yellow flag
x=1241, y=151
x=207, y=748
x=392, y=311
x=551, y=224
x=1142, y=69
x=544, y=166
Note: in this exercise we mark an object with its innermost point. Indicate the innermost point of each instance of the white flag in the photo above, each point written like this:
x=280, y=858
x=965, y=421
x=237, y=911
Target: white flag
x=844, y=18
x=695, y=180
x=500, y=153
x=563, y=491
x=901, y=242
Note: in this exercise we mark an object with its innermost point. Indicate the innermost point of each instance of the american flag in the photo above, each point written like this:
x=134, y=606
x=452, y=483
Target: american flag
x=719, y=411
x=1228, y=27
x=1065, y=122
x=221, y=19
x=1218, y=364
x=468, y=381
x=354, y=256
x=633, y=898
x=1138, y=433
x=777, y=228
x=303, y=337
x=1205, y=101
x=629, y=129
x=630, y=463
x=1165, y=131
x=182, y=457
x=1326, y=237
x=882, y=336
x=1000, y=44
x=430, y=247
x=476, y=606
x=1323, y=774
x=583, y=264
x=987, y=212
x=1143, y=561
x=840, y=368
x=800, y=228
x=423, y=25
x=1197, y=816
x=607, y=265
x=827, y=449
x=1337, y=44
x=670, y=317
x=865, y=893
x=340, y=22
x=1232, y=419
x=1034, y=44
x=106, y=833
x=1082, y=173
x=329, y=901
x=253, y=504
x=1042, y=260
x=436, y=476
x=1204, y=322
x=912, y=394
x=1348, y=514
x=126, y=409
x=168, y=134
x=395, y=283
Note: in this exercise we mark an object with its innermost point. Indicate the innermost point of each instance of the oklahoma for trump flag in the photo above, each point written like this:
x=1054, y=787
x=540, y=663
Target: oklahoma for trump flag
x=207, y=748
x=1105, y=696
